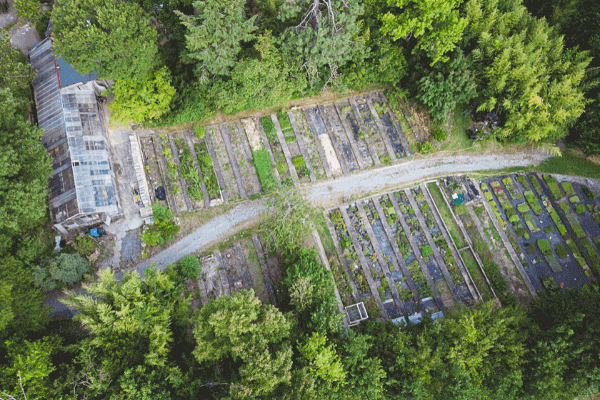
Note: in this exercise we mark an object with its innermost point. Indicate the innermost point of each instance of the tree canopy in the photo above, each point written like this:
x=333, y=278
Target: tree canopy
x=113, y=38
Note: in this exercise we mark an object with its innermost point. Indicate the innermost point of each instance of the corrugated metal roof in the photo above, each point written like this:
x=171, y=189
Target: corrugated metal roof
x=83, y=181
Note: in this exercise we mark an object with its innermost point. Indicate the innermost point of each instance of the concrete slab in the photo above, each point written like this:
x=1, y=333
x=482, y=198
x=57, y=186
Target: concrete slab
x=24, y=38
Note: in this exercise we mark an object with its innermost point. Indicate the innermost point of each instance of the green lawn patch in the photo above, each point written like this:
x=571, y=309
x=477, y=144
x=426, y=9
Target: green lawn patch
x=544, y=246
x=553, y=186
x=553, y=263
x=476, y=274
x=264, y=169
x=578, y=231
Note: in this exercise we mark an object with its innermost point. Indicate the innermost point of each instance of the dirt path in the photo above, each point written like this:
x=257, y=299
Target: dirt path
x=336, y=191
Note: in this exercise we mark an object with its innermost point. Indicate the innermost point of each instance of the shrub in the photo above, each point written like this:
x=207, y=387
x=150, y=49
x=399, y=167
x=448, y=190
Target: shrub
x=561, y=229
x=426, y=148
x=63, y=270
x=522, y=207
x=590, y=195
x=580, y=209
x=200, y=132
x=163, y=227
x=298, y=161
x=28, y=9
x=483, y=186
x=564, y=206
x=574, y=199
x=561, y=251
x=488, y=195
x=549, y=229
x=544, y=246
x=553, y=186
x=439, y=134
x=513, y=218
x=520, y=231
x=507, y=181
x=84, y=245
x=530, y=250
x=189, y=266
x=568, y=188
x=578, y=231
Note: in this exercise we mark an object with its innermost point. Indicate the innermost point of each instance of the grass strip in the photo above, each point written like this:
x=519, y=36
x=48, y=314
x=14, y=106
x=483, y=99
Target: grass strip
x=262, y=162
x=452, y=226
x=473, y=268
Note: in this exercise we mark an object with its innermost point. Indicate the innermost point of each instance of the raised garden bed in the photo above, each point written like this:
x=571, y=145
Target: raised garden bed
x=309, y=144
x=240, y=146
x=152, y=168
x=224, y=163
x=371, y=130
x=276, y=151
x=207, y=167
x=358, y=134
x=189, y=172
x=173, y=173
x=553, y=186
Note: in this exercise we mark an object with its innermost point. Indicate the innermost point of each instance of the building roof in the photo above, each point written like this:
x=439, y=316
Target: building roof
x=83, y=180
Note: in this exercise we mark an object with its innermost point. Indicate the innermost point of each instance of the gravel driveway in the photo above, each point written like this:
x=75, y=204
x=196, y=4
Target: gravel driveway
x=331, y=192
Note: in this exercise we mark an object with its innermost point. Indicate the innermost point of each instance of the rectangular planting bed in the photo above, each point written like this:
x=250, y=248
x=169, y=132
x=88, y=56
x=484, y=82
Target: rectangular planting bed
x=304, y=135
x=327, y=152
x=338, y=134
x=370, y=127
x=276, y=150
x=355, y=132
x=215, y=141
x=294, y=147
x=241, y=151
x=207, y=167
x=261, y=156
x=152, y=168
x=172, y=177
x=189, y=171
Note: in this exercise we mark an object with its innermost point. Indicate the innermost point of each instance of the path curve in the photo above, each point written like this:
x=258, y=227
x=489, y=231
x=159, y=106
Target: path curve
x=331, y=192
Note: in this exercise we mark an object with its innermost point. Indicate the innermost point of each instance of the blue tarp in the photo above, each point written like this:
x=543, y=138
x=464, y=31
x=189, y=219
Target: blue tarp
x=399, y=321
x=94, y=232
x=459, y=200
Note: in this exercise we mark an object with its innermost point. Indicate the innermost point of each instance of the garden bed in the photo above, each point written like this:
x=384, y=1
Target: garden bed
x=371, y=130
x=360, y=138
x=152, y=168
x=388, y=126
x=241, y=148
x=207, y=167
x=189, y=172
x=225, y=165
x=276, y=151
x=309, y=144
x=172, y=178
x=291, y=140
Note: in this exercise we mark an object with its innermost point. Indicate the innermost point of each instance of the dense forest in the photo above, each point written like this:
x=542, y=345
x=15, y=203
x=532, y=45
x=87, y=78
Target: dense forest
x=534, y=63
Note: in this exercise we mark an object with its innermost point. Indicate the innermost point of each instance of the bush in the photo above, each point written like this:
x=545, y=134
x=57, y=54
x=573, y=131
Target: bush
x=488, y=195
x=507, y=181
x=549, y=229
x=63, y=270
x=426, y=148
x=426, y=251
x=513, y=218
x=28, y=9
x=163, y=227
x=84, y=245
x=580, y=209
x=483, y=186
x=568, y=188
x=590, y=195
x=298, y=162
x=522, y=207
x=574, y=199
x=544, y=246
x=439, y=134
x=530, y=250
x=189, y=266
x=553, y=186
x=200, y=132
x=42, y=24
x=578, y=231
x=561, y=251
x=521, y=232
x=561, y=229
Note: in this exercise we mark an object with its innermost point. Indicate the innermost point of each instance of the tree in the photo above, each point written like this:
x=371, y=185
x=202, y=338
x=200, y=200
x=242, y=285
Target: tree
x=324, y=36
x=65, y=269
x=139, y=100
x=446, y=86
x=113, y=38
x=29, y=366
x=25, y=167
x=288, y=219
x=259, y=83
x=239, y=327
x=15, y=73
x=524, y=73
x=323, y=359
x=215, y=36
x=435, y=23
x=585, y=134
x=23, y=301
x=132, y=321
x=28, y=9
x=189, y=266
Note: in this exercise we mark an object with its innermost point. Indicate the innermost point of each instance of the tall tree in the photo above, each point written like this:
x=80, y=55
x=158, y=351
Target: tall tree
x=15, y=73
x=324, y=36
x=523, y=71
x=436, y=24
x=113, y=38
x=25, y=167
x=215, y=36
x=240, y=327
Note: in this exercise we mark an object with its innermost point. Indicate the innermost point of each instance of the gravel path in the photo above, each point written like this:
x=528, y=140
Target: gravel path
x=332, y=192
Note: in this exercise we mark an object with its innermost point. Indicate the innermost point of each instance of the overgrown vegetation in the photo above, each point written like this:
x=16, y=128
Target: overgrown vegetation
x=162, y=229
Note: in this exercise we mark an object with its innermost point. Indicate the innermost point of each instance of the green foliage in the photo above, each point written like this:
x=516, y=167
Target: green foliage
x=568, y=188
x=25, y=167
x=137, y=100
x=544, y=246
x=561, y=229
x=324, y=362
x=84, y=245
x=29, y=366
x=189, y=266
x=264, y=169
x=215, y=36
x=426, y=148
x=42, y=24
x=578, y=231
x=440, y=134
x=240, y=327
x=63, y=270
x=549, y=229
x=446, y=86
x=522, y=207
x=259, y=83
x=488, y=195
x=15, y=75
x=286, y=218
x=208, y=173
x=538, y=105
x=574, y=199
x=200, y=132
x=321, y=36
x=28, y=9
x=436, y=24
x=163, y=227
x=298, y=162
x=553, y=186
x=589, y=194
x=580, y=209
x=561, y=251
x=113, y=38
